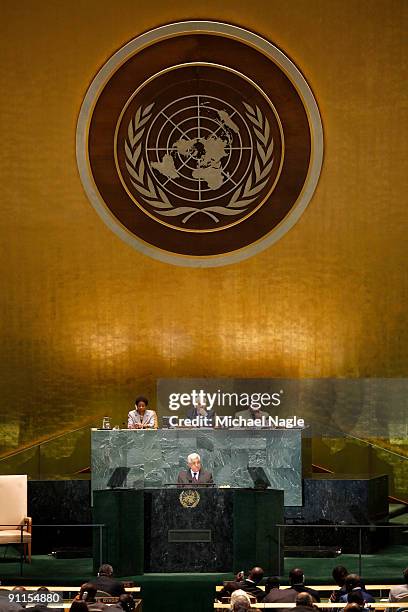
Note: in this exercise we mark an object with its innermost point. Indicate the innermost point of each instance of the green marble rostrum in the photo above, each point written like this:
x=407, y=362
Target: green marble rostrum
x=155, y=457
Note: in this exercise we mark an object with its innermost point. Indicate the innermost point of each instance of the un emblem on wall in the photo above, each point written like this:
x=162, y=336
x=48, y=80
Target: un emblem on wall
x=199, y=143
x=199, y=162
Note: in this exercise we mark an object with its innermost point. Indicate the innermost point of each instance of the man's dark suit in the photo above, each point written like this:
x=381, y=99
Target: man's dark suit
x=280, y=596
x=289, y=595
x=246, y=585
x=251, y=588
x=185, y=478
x=368, y=598
x=301, y=588
x=109, y=585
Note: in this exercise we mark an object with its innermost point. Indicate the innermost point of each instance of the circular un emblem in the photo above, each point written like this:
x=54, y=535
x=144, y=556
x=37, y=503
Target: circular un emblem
x=199, y=143
x=189, y=498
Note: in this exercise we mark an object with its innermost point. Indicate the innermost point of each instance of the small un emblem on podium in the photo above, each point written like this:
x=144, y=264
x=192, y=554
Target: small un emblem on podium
x=189, y=498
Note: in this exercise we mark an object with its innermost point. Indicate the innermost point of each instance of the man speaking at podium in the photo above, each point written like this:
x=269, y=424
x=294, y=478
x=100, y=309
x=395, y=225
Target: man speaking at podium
x=194, y=475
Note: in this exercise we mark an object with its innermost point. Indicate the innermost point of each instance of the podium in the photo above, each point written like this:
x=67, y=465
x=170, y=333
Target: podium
x=190, y=530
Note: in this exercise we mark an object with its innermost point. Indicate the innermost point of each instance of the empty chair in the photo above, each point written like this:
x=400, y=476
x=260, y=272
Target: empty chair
x=15, y=525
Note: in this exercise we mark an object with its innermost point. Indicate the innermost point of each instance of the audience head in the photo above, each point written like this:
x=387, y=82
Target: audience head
x=273, y=582
x=296, y=576
x=126, y=602
x=87, y=592
x=43, y=590
x=352, y=607
x=105, y=570
x=20, y=588
x=339, y=574
x=239, y=593
x=256, y=574
x=356, y=597
x=352, y=581
x=405, y=574
x=240, y=601
x=241, y=606
x=304, y=599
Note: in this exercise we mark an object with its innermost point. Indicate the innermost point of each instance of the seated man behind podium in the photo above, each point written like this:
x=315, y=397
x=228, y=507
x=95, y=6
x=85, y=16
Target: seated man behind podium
x=141, y=417
x=194, y=475
x=252, y=413
x=199, y=409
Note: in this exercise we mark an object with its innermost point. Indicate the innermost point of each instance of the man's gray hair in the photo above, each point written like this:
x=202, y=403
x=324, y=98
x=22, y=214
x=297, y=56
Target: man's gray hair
x=304, y=599
x=106, y=570
x=241, y=599
x=193, y=456
x=240, y=604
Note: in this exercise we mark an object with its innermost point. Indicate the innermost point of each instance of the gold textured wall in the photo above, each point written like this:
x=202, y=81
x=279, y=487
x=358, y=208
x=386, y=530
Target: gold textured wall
x=87, y=322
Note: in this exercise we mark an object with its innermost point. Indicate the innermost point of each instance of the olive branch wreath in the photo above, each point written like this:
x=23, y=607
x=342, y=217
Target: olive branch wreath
x=242, y=196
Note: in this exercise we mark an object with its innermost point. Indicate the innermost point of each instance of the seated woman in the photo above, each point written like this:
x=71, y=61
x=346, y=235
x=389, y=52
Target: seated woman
x=141, y=417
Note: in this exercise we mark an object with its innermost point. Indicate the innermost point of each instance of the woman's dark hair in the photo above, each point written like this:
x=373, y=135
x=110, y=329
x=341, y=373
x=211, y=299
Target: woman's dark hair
x=352, y=581
x=87, y=592
x=339, y=574
x=273, y=582
x=141, y=398
x=356, y=597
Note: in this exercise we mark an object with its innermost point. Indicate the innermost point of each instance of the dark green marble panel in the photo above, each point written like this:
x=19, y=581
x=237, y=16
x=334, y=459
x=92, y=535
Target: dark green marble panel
x=155, y=458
